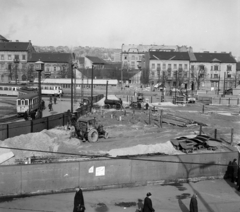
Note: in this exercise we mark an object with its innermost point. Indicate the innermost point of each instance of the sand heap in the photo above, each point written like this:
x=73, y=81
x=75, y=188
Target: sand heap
x=165, y=148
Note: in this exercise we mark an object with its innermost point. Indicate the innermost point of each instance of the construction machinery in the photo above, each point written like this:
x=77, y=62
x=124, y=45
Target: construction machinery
x=87, y=129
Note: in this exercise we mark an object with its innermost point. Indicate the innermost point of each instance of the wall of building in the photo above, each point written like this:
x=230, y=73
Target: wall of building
x=98, y=174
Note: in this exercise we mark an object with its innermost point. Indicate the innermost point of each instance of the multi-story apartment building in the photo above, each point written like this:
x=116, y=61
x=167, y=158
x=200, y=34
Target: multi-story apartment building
x=13, y=60
x=204, y=70
x=56, y=65
x=131, y=55
x=218, y=70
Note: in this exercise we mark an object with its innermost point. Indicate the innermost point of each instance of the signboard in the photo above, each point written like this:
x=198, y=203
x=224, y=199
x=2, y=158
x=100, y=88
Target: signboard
x=100, y=171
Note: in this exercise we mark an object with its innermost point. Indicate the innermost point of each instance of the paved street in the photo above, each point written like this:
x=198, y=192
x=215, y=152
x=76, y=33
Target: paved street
x=213, y=196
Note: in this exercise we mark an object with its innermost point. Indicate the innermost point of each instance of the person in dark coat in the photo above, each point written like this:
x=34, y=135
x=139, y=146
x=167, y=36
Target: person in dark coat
x=55, y=99
x=25, y=115
x=147, y=106
x=147, y=206
x=78, y=200
x=32, y=114
x=193, y=204
x=234, y=170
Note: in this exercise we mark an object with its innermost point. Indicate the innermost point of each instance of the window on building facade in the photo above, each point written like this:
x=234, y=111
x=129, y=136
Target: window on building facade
x=54, y=69
x=185, y=66
x=192, y=67
x=132, y=64
x=2, y=57
x=169, y=66
x=169, y=73
x=9, y=57
x=23, y=57
x=16, y=56
x=140, y=57
x=164, y=66
x=215, y=75
x=133, y=57
x=153, y=65
x=180, y=66
x=229, y=68
x=215, y=68
x=228, y=75
x=158, y=66
x=175, y=66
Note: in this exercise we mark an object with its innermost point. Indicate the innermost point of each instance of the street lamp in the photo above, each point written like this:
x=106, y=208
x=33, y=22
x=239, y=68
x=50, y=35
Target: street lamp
x=16, y=62
x=92, y=83
x=39, y=67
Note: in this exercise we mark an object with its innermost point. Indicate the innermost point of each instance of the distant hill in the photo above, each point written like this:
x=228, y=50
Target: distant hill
x=80, y=51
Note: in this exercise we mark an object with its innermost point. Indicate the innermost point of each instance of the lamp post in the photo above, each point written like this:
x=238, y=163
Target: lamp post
x=16, y=62
x=39, y=68
x=92, y=83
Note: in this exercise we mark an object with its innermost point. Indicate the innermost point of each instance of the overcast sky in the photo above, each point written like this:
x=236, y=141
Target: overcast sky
x=210, y=25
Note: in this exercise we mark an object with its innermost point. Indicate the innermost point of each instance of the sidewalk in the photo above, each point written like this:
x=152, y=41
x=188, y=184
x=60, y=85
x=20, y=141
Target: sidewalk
x=213, y=196
x=60, y=107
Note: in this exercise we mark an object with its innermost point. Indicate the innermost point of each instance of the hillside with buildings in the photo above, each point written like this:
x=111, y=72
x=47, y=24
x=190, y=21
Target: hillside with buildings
x=81, y=51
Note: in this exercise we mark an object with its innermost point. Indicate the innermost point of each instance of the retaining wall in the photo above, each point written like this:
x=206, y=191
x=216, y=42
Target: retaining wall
x=99, y=174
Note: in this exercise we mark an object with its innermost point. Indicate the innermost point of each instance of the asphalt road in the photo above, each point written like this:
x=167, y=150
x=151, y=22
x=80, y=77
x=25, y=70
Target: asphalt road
x=213, y=196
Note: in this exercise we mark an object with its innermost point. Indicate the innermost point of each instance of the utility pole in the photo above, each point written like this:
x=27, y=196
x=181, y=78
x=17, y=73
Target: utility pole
x=218, y=83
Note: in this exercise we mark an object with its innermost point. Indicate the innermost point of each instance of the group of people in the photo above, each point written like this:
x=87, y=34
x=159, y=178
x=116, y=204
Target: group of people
x=50, y=105
x=147, y=206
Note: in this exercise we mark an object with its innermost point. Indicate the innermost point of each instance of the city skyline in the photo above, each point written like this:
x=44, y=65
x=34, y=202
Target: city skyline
x=205, y=25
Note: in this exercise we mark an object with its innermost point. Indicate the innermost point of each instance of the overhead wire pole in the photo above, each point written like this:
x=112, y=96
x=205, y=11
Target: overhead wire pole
x=71, y=70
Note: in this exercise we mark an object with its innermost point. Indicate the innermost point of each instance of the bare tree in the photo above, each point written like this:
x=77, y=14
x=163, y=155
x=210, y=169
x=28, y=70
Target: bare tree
x=198, y=75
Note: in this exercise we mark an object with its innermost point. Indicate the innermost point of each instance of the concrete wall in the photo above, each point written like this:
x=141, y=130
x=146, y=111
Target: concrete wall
x=98, y=174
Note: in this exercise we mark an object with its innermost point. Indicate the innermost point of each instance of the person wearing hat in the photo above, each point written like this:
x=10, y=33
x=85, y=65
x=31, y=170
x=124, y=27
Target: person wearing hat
x=78, y=201
x=147, y=206
x=193, y=204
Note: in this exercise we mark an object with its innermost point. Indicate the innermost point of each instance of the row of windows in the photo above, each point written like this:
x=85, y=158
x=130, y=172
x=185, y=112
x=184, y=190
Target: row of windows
x=169, y=66
x=25, y=102
x=11, y=57
x=216, y=76
x=170, y=73
x=133, y=57
x=9, y=88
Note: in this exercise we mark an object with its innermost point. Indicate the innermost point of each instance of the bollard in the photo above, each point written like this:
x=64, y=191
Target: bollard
x=200, y=131
x=231, y=135
x=203, y=109
x=111, y=115
x=215, y=134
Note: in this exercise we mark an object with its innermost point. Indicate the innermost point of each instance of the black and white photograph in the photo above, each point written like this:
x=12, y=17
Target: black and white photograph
x=119, y=105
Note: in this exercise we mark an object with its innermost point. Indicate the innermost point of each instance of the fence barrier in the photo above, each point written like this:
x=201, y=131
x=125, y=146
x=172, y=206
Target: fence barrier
x=18, y=128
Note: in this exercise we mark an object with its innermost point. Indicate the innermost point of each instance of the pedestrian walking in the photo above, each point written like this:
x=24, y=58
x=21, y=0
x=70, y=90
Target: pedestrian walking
x=55, y=100
x=193, y=204
x=78, y=201
x=32, y=114
x=50, y=99
x=147, y=106
x=147, y=206
x=234, y=171
x=25, y=115
x=50, y=106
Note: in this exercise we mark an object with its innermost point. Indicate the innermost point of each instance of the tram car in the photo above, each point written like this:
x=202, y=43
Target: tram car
x=9, y=90
x=27, y=102
x=13, y=90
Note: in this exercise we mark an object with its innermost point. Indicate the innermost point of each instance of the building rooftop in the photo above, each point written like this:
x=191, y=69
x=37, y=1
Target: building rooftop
x=14, y=46
x=51, y=57
x=159, y=55
x=3, y=39
x=214, y=57
x=96, y=59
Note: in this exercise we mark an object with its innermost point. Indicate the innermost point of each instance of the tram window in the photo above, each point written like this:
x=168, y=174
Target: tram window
x=22, y=102
x=1, y=88
x=10, y=88
x=5, y=88
x=14, y=89
x=26, y=102
x=19, y=102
